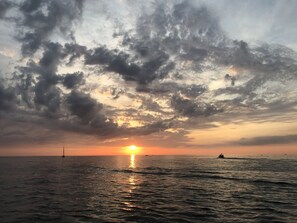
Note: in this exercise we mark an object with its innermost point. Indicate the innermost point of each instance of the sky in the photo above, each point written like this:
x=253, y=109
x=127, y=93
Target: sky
x=171, y=77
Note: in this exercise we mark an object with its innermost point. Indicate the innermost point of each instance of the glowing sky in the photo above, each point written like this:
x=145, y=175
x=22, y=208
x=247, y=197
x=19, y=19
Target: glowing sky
x=173, y=77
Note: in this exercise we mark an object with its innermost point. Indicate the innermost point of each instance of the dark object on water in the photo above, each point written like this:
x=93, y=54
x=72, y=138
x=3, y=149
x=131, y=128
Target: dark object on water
x=63, y=156
x=221, y=156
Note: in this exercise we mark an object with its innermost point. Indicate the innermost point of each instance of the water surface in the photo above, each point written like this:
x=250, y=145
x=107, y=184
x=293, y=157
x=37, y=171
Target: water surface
x=147, y=189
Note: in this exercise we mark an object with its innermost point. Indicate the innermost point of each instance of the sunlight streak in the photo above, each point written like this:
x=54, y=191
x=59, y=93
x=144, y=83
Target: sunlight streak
x=132, y=161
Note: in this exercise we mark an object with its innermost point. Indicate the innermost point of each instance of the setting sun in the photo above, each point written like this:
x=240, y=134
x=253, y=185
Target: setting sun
x=132, y=149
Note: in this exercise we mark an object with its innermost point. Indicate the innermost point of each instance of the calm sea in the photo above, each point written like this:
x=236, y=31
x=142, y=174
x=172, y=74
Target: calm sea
x=147, y=189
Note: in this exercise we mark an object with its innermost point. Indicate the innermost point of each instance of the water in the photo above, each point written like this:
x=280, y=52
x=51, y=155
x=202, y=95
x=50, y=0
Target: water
x=147, y=189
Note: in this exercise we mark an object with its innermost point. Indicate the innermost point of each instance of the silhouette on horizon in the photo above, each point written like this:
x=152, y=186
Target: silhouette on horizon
x=63, y=156
x=221, y=156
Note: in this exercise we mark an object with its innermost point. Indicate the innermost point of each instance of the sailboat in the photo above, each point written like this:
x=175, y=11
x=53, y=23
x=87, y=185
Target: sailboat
x=63, y=156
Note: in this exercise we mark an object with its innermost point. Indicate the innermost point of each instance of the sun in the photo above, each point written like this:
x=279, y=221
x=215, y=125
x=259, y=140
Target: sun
x=132, y=149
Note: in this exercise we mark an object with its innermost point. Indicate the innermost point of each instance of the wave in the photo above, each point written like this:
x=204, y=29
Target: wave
x=211, y=175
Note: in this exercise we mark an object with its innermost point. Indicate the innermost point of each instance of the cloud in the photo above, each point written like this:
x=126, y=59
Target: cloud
x=4, y=7
x=17, y=133
x=41, y=18
x=181, y=26
x=116, y=93
x=46, y=92
x=38, y=81
x=166, y=67
x=115, y=61
x=190, y=108
x=74, y=51
x=72, y=80
x=228, y=77
x=130, y=70
x=190, y=91
x=83, y=106
x=267, y=140
x=8, y=98
x=154, y=127
x=89, y=112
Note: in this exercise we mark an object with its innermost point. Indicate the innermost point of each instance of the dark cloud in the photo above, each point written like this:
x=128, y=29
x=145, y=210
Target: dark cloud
x=228, y=77
x=73, y=51
x=116, y=93
x=148, y=104
x=47, y=95
x=46, y=92
x=114, y=61
x=191, y=90
x=83, y=106
x=193, y=53
x=89, y=113
x=267, y=140
x=190, y=108
x=72, y=80
x=7, y=98
x=105, y=127
x=38, y=81
x=4, y=6
x=123, y=64
x=101, y=55
x=30, y=6
x=236, y=53
x=36, y=24
x=151, y=128
x=50, y=58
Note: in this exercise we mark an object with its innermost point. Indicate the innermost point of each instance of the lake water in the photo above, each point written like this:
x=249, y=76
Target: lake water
x=147, y=189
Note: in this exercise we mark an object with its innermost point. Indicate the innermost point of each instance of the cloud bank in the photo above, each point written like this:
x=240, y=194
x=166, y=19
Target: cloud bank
x=169, y=68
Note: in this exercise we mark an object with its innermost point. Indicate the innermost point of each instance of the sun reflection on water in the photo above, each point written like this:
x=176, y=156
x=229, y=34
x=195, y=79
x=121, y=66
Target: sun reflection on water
x=132, y=161
x=132, y=183
x=132, y=186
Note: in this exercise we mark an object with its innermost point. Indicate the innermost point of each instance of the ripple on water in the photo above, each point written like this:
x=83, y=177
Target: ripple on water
x=155, y=189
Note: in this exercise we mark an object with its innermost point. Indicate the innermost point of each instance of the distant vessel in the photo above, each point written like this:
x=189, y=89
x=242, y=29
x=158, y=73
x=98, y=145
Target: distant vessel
x=221, y=156
x=63, y=156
